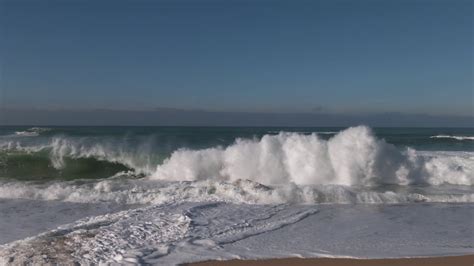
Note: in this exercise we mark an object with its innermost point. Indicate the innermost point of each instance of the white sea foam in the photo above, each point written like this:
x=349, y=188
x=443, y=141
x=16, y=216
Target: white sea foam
x=146, y=191
x=453, y=137
x=184, y=232
x=147, y=234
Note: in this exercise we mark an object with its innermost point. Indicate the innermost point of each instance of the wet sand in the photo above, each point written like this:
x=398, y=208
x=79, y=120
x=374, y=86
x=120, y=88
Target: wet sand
x=467, y=260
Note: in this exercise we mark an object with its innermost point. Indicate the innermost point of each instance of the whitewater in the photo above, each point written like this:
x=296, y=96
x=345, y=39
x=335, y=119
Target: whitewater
x=175, y=195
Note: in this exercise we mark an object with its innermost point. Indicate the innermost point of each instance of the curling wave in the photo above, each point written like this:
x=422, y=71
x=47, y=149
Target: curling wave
x=38, y=166
x=74, y=158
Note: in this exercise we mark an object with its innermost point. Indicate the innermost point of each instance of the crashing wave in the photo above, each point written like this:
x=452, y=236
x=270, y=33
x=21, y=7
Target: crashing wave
x=354, y=157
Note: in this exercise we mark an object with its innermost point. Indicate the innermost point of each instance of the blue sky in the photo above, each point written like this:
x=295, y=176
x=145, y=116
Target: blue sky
x=259, y=56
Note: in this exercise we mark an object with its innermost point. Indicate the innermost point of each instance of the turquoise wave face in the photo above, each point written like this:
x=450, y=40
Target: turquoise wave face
x=38, y=166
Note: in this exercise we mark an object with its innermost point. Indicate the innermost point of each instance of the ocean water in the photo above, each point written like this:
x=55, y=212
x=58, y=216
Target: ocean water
x=168, y=195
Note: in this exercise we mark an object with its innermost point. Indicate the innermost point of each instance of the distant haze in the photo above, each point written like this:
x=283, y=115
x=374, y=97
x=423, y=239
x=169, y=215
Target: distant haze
x=176, y=117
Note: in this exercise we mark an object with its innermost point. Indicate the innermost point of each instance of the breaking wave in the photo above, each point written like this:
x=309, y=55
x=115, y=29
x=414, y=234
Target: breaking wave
x=354, y=157
x=38, y=166
x=68, y=158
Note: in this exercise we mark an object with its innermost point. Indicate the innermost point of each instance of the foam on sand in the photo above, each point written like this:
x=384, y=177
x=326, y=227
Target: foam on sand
x=171, y=234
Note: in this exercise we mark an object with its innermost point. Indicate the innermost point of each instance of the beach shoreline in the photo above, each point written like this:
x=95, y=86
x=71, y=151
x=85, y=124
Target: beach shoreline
x=465, y=260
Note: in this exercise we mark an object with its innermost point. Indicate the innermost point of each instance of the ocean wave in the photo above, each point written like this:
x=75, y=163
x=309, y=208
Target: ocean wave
x=193, y=201
x=32, y=132
x=453, y=137
x=64, y=152
x=38, y=166
x=353, y=157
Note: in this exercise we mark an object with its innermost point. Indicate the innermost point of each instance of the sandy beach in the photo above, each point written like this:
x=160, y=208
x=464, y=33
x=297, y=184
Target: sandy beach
x=467, y=260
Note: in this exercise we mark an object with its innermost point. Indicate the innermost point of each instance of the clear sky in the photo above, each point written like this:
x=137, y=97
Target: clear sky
x=275, y=56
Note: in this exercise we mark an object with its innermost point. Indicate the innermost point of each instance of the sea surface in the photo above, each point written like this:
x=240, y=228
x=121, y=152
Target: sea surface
x=169, y=195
